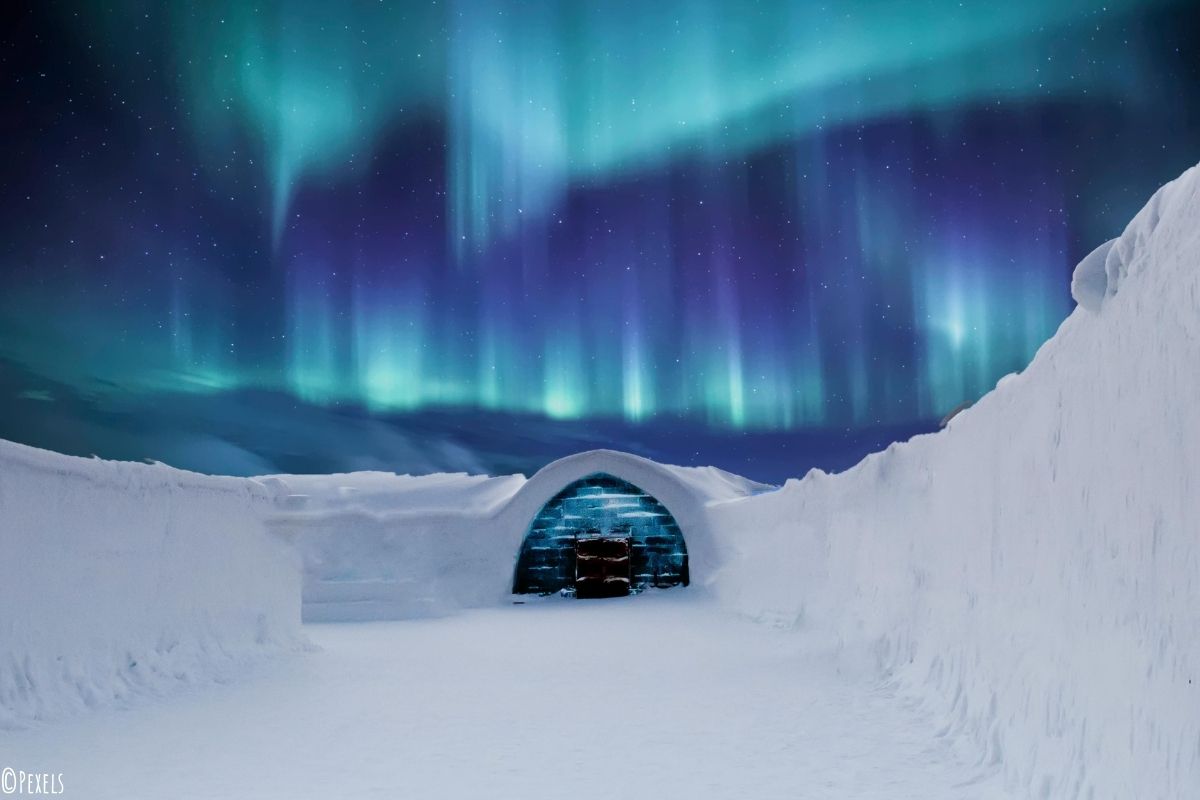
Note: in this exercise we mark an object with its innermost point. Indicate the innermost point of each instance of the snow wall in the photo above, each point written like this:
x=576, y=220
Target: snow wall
x=120, y=579
x=1033, y=570
x=384, y=546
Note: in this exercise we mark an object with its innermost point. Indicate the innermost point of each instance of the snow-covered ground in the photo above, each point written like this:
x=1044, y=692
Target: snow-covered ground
x=661, y=696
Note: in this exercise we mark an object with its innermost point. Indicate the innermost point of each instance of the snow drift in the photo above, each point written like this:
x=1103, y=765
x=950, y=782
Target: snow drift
x=1033, y=570
x=118, y=579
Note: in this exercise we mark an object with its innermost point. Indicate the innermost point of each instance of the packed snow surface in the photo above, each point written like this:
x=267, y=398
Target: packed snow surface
x=661, y=697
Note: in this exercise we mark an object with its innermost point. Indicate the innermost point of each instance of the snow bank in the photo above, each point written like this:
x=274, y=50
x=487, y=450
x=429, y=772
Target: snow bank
x=384, y=546
x=1034, y=569
x=118, y=579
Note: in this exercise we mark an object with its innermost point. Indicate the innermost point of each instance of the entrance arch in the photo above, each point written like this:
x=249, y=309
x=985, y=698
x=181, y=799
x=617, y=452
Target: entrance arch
x=601, y=505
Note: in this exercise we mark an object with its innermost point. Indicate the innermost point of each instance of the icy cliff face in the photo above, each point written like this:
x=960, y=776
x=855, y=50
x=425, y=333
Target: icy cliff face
x=121, y=579
x=1033, y=570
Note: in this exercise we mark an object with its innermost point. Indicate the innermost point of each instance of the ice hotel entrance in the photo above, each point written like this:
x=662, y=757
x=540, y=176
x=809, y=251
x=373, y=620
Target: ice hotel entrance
x=601, y=536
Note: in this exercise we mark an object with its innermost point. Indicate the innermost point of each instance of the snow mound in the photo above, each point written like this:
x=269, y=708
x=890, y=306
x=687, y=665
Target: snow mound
x=1033, y=571
x=120, y=579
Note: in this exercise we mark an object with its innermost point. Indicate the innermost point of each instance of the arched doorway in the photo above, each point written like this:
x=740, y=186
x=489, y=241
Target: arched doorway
x=591, y=517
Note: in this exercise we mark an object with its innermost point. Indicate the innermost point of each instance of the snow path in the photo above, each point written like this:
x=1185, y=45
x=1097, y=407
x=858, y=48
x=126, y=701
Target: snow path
x=660, y=697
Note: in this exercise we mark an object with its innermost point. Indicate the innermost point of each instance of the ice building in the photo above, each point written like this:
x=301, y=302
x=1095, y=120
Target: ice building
x=378, y=546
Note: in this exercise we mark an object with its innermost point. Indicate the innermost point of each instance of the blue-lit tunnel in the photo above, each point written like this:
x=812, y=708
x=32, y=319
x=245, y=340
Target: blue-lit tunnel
x=601, y=506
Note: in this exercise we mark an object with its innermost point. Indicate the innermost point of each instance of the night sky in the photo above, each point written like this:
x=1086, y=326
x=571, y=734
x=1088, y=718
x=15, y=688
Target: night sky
x=245, y=237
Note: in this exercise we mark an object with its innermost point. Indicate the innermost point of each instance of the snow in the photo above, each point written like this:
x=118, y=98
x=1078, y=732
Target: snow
x=1089, y=281
x=384, y=492
x=652, y=696
x=1032, y=573
x=120, y=580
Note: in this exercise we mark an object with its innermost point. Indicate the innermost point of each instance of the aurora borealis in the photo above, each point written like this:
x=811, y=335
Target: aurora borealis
x=710, y=215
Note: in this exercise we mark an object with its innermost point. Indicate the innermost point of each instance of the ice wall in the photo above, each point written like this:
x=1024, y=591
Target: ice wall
x=1033, y=570
x=119, y=579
